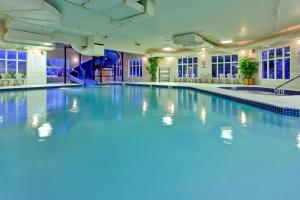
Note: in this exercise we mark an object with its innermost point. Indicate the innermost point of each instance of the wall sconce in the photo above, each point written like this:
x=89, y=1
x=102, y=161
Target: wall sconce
x=37, y=52
x=243, y=52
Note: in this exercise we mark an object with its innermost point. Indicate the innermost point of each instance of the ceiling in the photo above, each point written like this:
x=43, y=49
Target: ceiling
x=239, y=20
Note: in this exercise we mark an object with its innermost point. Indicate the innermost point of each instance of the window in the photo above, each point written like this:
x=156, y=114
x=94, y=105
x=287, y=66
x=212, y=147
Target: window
x=135, y=68
x=13, y=62
x=276, y=63
x=55, y=67
x=119, y=69
x=188, y=67
x=224, y=64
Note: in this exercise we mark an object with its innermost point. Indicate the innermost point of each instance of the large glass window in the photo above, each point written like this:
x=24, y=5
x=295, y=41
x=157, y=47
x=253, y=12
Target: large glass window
x=55, y=67
x=188, y=67
x=224, y=64
x=13, y=62
x=119, y=69
x=135, y=68
x=276, y=63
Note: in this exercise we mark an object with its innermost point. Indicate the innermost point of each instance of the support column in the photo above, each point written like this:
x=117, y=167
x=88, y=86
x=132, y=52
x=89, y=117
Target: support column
x=65, y=64
x=122, y=57
x=115, y=72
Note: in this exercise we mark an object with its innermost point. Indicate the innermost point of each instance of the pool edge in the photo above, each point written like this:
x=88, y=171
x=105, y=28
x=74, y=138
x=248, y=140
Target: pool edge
x=286, y=111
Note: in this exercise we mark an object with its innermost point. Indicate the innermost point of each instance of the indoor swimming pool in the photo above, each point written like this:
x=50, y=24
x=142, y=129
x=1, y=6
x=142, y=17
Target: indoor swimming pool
x=131, y=142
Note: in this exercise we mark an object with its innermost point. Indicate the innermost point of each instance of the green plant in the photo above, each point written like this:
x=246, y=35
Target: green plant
x=153, y=66
x=248, y=67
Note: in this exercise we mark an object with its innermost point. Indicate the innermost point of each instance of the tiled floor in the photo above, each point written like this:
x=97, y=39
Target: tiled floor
x=52, y=85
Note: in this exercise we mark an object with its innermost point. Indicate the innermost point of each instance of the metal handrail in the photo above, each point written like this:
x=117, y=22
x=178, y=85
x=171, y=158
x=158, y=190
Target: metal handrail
x=276, y=89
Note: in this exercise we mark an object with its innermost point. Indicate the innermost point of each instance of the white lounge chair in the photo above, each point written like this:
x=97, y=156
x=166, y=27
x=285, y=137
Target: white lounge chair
x=229, y=78
x=206, y=78
x=5, y=79
x=19, y=79
x=221, y=78
x=239, y=78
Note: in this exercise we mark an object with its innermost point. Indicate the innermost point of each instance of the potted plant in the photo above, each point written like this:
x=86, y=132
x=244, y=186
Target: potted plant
x=153, y=66
x=248, y=67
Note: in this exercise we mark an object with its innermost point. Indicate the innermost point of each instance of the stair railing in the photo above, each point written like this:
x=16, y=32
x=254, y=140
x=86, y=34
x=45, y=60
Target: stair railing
x=277, y=89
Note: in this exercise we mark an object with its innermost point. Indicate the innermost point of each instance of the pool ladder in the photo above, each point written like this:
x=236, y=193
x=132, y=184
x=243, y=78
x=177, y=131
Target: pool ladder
x=278, y=91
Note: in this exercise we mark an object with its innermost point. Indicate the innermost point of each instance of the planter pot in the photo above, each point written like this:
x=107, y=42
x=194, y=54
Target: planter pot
x=249, y=81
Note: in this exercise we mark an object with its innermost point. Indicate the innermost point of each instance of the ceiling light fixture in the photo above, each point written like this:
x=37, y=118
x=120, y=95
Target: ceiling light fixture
x=47, y=44
x=226, y=41
x=298, y=42
x=243, y=52
x=167, y=48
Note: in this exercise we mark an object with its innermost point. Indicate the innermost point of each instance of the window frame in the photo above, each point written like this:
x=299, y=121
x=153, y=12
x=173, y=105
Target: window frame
x=217, y=63
x=275, y=59
x=16, y=60
x=186, y=65
x=136, y=64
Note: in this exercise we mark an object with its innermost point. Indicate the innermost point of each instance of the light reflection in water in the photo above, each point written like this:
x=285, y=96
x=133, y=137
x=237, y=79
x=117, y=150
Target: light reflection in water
x=167, y=120
x=75, y=106
x=203, y=115
x=145, y=108
x=45, y=131
x=298, y=140
x=35, y=120
x=227, y=134
x=172, y=109
x=1, y=119
x=243, y=118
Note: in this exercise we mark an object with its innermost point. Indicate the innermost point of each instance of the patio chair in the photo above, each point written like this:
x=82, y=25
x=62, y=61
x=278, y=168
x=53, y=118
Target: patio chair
x=205, y=78
x=239, y=78
x=198, y=80
x=209, y=78
x=229, y=78
x=5, y=79
x=19, y=79
x=193, y=80
x=222, y=78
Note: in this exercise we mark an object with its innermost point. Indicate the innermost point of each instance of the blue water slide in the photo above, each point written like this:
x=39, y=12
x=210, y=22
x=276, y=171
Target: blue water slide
x=84, y=73
x=110, y=58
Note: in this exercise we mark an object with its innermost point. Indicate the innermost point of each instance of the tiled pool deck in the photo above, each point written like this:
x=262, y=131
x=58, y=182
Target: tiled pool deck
x=38, y=86
x=285, y=105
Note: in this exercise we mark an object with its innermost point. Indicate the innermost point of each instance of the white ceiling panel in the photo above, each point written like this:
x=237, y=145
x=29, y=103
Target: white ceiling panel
x=214, y=19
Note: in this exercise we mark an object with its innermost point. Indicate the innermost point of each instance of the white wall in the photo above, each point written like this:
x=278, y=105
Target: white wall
x=36, y=67
x=170, y=61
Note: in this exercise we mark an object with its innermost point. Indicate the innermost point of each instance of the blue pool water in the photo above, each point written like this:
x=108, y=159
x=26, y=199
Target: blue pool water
x=133, y=143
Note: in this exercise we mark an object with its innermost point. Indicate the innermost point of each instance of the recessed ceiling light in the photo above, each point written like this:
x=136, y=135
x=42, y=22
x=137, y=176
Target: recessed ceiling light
x=47, y=44
x=243, y=52
x=167, y=48
x=203, y=49
x=226, y=41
